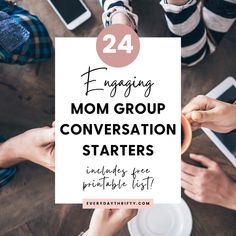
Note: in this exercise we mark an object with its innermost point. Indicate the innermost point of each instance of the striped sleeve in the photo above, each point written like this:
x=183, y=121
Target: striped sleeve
x=108, y=4
x=185, y=22
x=111, y=7
x=219, y=16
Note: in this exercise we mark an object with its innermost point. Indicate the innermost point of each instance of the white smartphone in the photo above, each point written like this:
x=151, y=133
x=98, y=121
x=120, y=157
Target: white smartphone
x=226, y=92
x=72, y=12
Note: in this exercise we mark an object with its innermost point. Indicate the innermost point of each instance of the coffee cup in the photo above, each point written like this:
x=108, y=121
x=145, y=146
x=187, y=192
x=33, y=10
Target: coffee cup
x=186, y=134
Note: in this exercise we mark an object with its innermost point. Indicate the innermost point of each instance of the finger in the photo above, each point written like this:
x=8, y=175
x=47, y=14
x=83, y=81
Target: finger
x=128, y=213
x=191, y=195
x=203, y=116
x=188, y=116
x=202, y=159
x=195, y=125
x=191, y=106
x=45, y=136
x=200, y=102
x=124, y=215
x=187, y=186
x=52, y=168
x=189, y=169
x=195, y=104
x=101, y=213
x=187, y=178
x=53, y=124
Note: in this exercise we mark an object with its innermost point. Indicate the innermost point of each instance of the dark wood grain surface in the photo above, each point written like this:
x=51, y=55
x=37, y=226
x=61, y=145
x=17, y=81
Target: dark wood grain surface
x=27, y=100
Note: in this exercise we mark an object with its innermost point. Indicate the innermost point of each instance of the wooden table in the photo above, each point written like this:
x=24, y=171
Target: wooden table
x=27, y=203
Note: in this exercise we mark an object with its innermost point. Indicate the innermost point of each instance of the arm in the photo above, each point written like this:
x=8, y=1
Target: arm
x=36, y=145
x=118, y=12
x=7, y=157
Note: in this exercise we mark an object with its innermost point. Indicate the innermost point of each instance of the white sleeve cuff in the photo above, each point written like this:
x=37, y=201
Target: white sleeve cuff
x=175, y=8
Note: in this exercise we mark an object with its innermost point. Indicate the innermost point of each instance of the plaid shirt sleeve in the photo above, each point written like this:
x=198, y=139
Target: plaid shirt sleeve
x=6, y=174
x=38, y=47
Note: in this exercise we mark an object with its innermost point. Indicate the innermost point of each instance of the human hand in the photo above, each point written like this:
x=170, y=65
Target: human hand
x=218, y=116
x=121, y=18
x=36, y=145
x=208, y=185
x=107, y=222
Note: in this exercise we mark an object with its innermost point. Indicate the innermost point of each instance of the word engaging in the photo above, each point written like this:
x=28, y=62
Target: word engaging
x=128, y=84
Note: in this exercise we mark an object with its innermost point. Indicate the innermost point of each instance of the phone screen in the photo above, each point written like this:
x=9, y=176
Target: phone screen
x=229, y=139
x=69, y=9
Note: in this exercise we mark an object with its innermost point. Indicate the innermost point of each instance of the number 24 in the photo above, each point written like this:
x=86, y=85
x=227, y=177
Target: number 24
x=124, y=45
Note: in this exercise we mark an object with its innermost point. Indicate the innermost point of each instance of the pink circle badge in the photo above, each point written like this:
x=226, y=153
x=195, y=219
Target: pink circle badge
x=118, y=45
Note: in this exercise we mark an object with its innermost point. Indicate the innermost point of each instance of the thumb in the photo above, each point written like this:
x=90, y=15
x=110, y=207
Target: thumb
x=47, y=135
x=202, y=116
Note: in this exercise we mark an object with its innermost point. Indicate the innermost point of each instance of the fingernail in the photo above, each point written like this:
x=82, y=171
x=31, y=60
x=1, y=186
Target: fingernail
x=196, y=116
x=188, y=116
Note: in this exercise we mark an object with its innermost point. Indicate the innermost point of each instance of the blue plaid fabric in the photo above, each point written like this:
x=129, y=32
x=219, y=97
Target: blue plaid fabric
x=38, y=46
x=6, y=174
